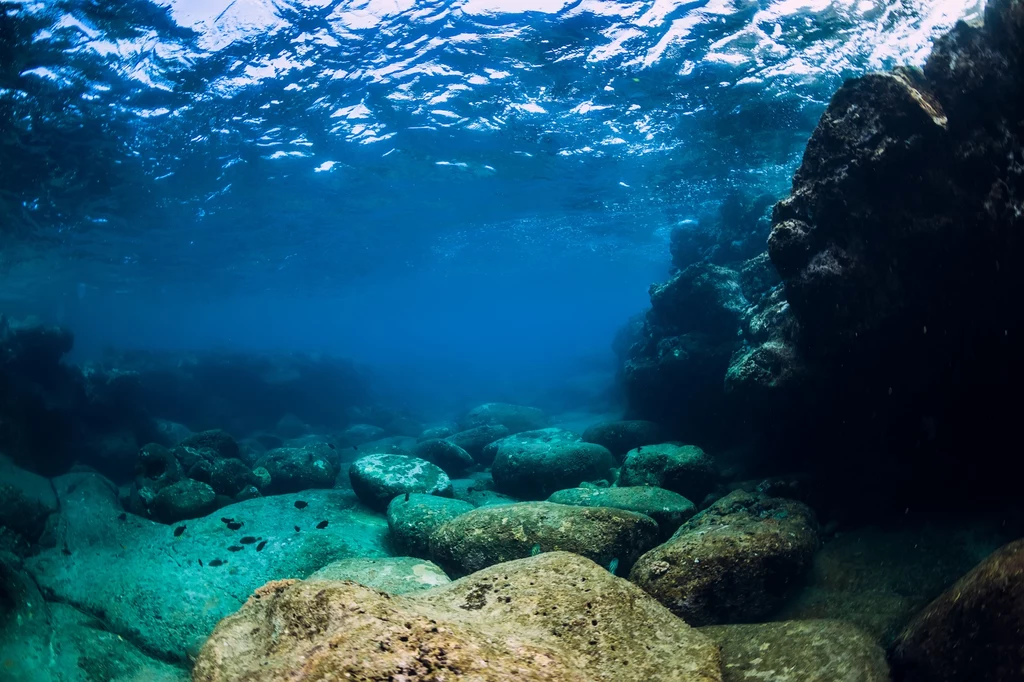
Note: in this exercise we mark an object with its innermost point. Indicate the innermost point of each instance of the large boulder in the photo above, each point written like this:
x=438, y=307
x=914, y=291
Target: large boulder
x=622, y=436
x=801, y=650
x=26, y=500
x=186, y=499
x=216, y=442
x=516, y=418
x=412, y=518
x=294, y=469
x=358, y=434
x=552, y=618
x=164, y=589
x=533, y=464
x=479, y=492
x=669, y=509
x=973, y=631
x=685, y=469
x=475, y=441
x=734, y=562
x=439, y=431
x=394, y=575
x=378, y=479
x=445, y=454
x=486, y=536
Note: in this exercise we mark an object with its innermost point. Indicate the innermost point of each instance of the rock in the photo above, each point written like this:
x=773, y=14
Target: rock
x=669, y=509
x=231, y=476
x=156, y=467
x=449, y=456
x=972, y=631
x=216, y=442
x=475, y=440
x=489, y=535
x=357, y=434
x=685, y=469
x=555, y=617
x=516, y=418
x=290, y=426
x=734, y=562
x=534, y=464
x=401, y=425
x=186, y=499
x=394, y=575
x=295, y=469
x=378, y=479
x=758, y=276
x=479, y=492
x=392, y=445
x=172, y=433
x=147, y=585
x=26, y=500
x=413, y=518
x=622, y=436
x=440, y=431
x=804, y=650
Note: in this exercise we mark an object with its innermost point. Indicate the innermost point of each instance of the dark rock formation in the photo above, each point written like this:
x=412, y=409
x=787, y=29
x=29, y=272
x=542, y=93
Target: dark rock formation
x=294, y=469
x=533, y=464
x=445, y=454
x=475, y=440
x=622, y=436
x=684, y=469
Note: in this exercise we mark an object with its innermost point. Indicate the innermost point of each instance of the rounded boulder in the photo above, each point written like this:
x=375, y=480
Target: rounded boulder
x=669, y=509
x=378, y=479
x=685, y=469
x=534, y=464
x=412, y=518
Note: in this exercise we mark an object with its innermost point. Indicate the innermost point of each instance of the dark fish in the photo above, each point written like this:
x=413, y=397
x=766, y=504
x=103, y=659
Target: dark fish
x=179, y=530
x=297, y=529
x=331, y=446
x=225, y=519
x=407, y=497
x=259, y=547
x=200, y=562
x=248, y=540
x=355, y=447
x=235, y=548
x=322, y=524
x=122, y=516
x=66, y=551
x=216, y=562
x=234, y=525
x=301, y=504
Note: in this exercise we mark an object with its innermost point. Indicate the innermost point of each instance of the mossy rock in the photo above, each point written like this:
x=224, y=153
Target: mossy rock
x=394, y=575
x=378, y=479
x=295, y=469
x=669, y=509
x=186, y=499
x=685, y=469
x=475, y=441
x=412, y=518
x=534, y=464
x=445, y=454
x=215, y=441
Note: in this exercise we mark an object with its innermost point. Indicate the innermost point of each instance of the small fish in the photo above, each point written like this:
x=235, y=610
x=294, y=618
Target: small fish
x=297, y=529
x=322, y=524
x=331, y=446
x=355, y=447
x=259, y=547
x=216, y=562
x=179, y=530
x=122, y=516
x=200, y=562
x=406, y=497
x=225, y=519
x=301, y=504
x=66, y=551
x=247, y=540
x=234, y=525
x=235, y=548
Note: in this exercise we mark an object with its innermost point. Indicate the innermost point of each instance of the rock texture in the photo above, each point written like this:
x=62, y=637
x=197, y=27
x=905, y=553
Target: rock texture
x=412, y=518
x=552, y=618
x=516, y=418
x=622, y=436
x=395, y=575
x=685, y=469
x=378, y=479
x=533, y=464
x=667, y=508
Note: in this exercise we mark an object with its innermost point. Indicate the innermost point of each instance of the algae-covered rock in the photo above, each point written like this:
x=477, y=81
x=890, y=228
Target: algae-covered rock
x=798, y=651
x=669, y=509
x=552, y=618
x=395, y=575
x=164, y=591
x=973, y=631
x=734, y=562
x=378, y=479
x=516, y=418
x=295, y=469
x=486, y=536
x=622, y=436
x=475, y=441
x=412, y=518
x=533, y=464
x=186, y=499
x=685, y=469
x=479, y=492
x=445, y=454
x=26, y=500
x=215, y=441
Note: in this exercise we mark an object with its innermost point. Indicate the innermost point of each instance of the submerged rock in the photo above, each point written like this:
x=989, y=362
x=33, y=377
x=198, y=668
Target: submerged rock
x=486, y=536
x=186, y=499
x=552, y=618
x=798, y=651
x=685, y=469
x=516, y=418
x=295, y=469
x=475, y=441
x=973, y=631
x=378, y=479
x=440, y=431
x=395, y=575
x=26, y=500
x=734, y=562
x=358, y=434
x=533, y=464
x=447, y=455
x=215, y=441
x=667, y=508
x=622, y=436
x=479, y=492
x=412, y=518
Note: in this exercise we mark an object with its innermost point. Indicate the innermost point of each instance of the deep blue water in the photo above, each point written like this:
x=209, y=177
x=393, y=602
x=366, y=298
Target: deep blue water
x=472, y=195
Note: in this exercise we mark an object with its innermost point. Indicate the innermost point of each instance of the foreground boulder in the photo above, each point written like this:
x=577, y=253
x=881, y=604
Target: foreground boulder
x=395, y=575
x=164, y=589
x=412, y=518
x=555, y=617
x=516, y=418
x=803, y=650
x=669, y=509
x=378, y=479
x=533, y=464
x=734, y=562
x=486, y=536
x=973, y=631
x=685, y=469
x=622, y=436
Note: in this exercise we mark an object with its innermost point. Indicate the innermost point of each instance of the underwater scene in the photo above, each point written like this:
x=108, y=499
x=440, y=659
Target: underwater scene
x=531, y=340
